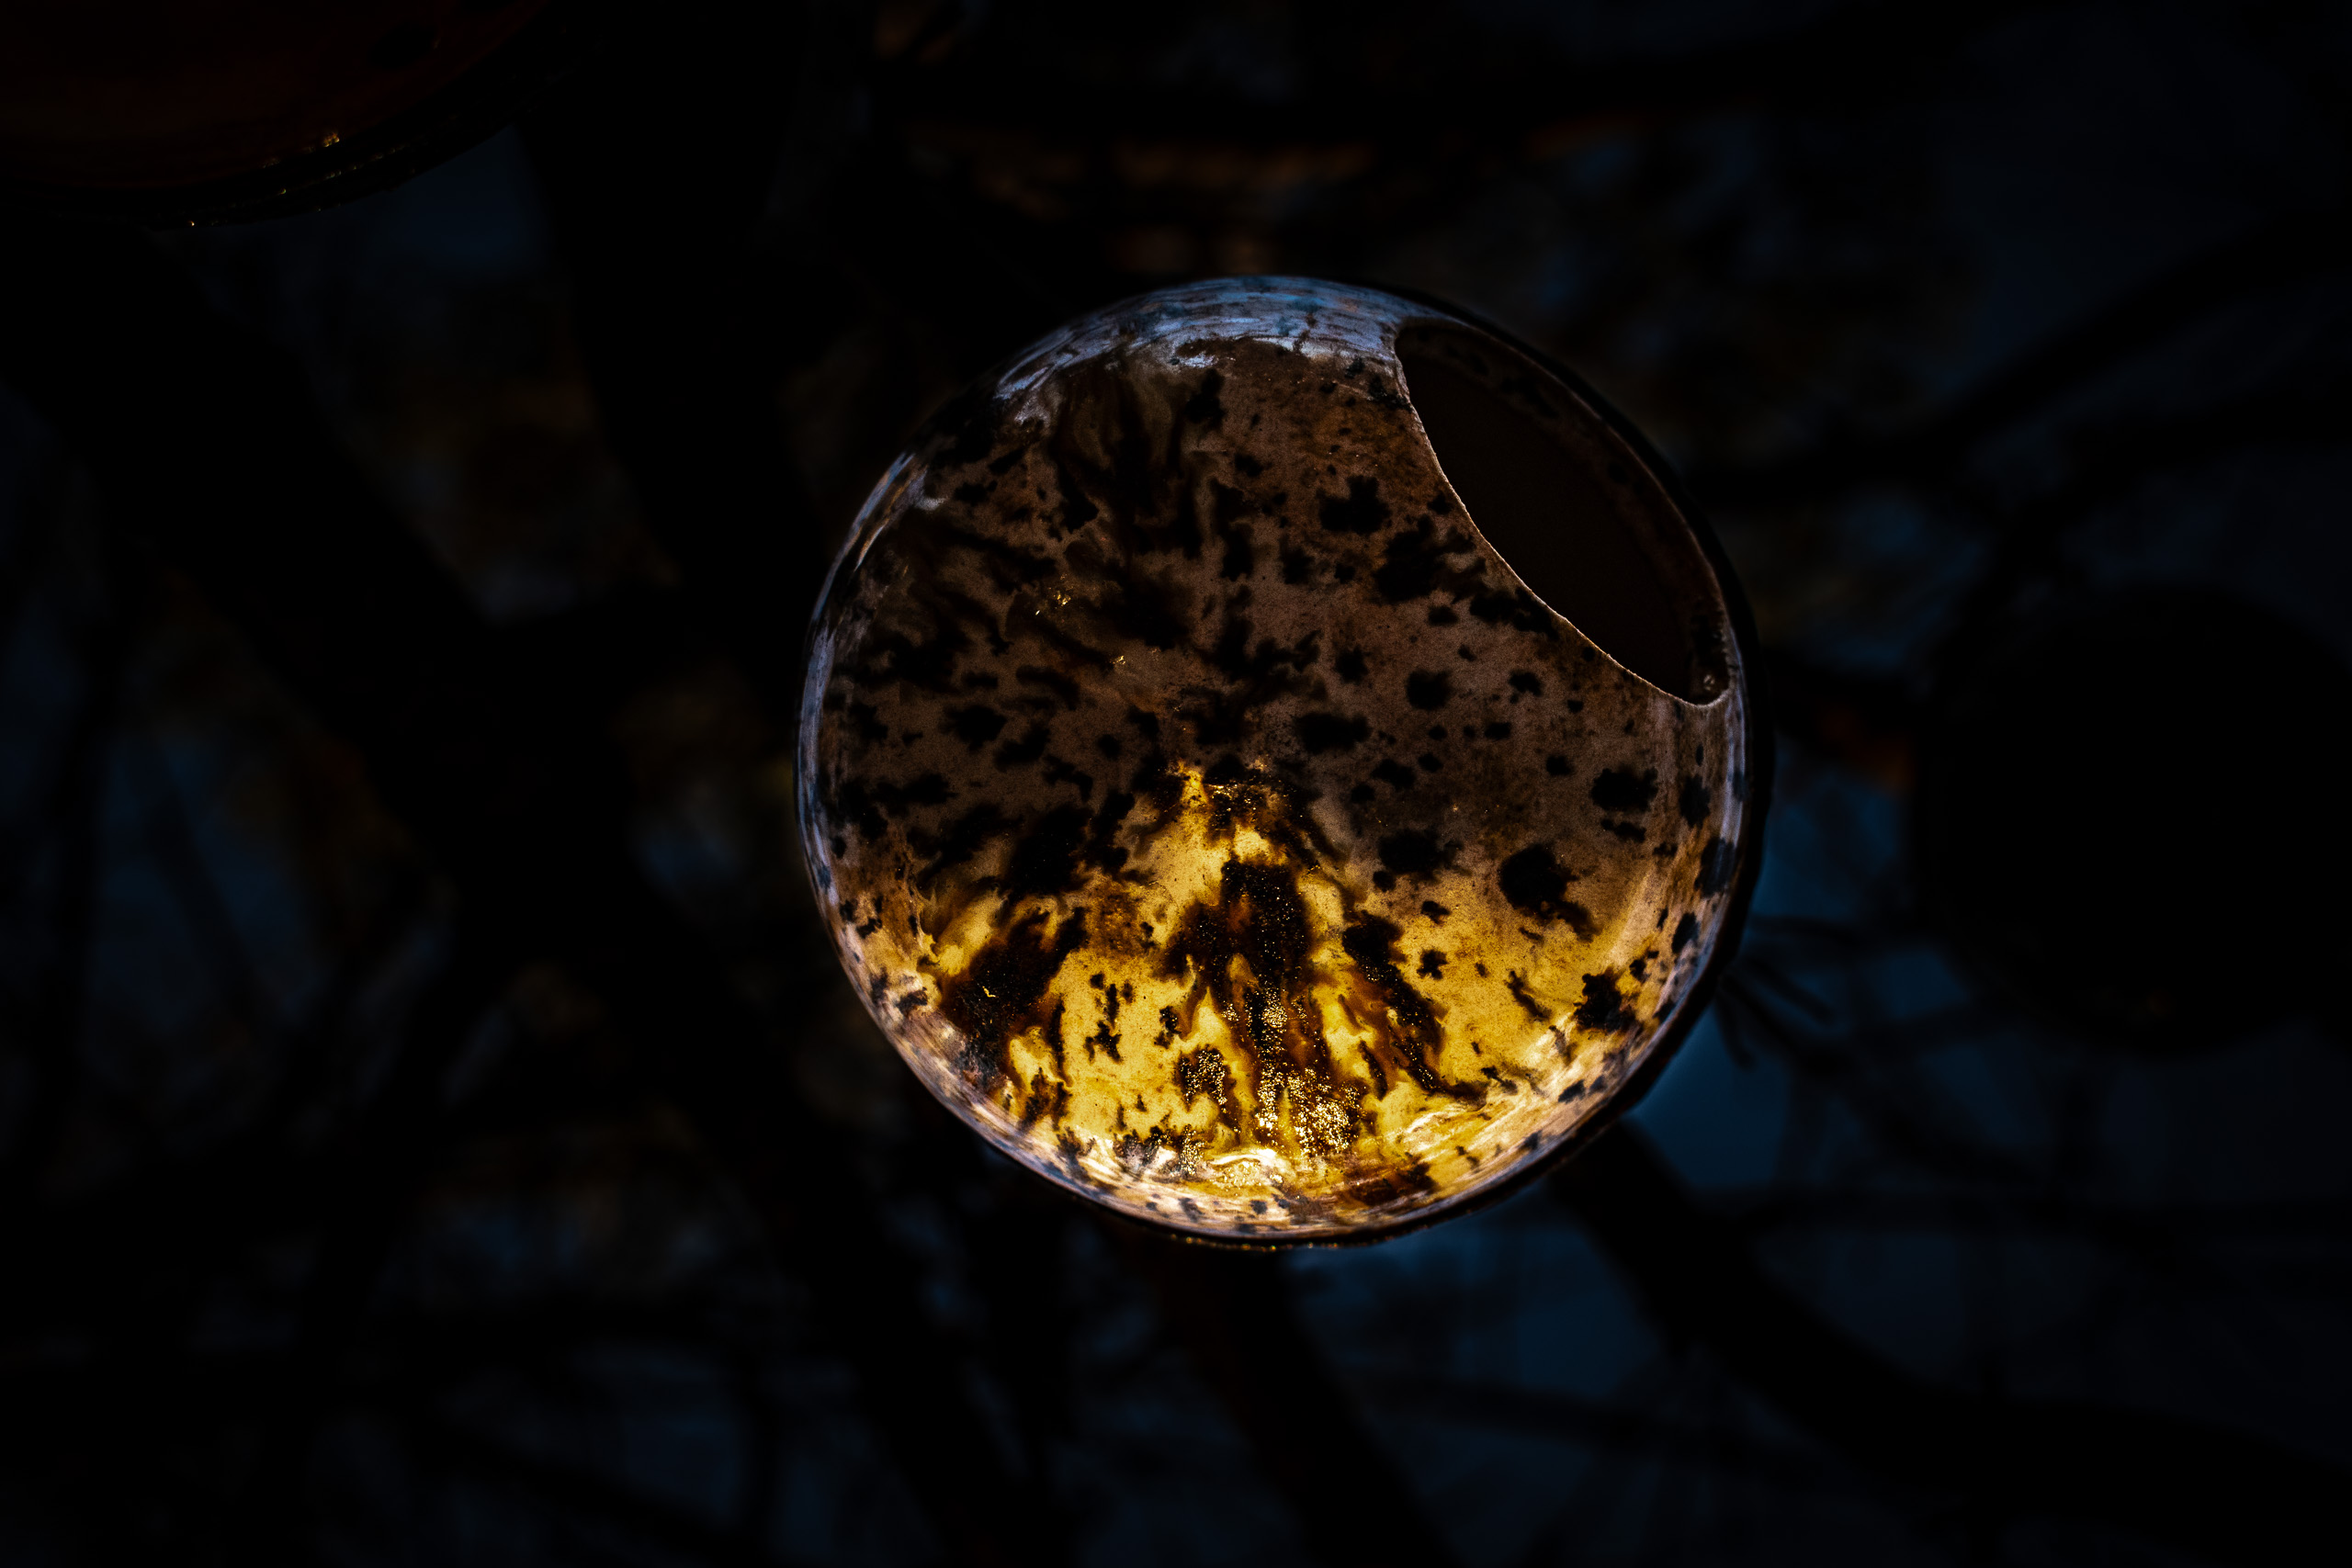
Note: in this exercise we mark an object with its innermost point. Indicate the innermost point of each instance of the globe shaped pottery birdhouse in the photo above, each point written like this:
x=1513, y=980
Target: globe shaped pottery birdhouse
x=1276, y=759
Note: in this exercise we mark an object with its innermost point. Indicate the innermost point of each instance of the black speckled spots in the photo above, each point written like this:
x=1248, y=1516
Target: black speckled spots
x=1518, y=608
x=1395, y=774
x=871, y=807
x=1240, y=558
x=866, y=720
x=1205, y=406
x=1559, y=766
x=1028, y=749
x=1686, y=931
x=1695, y=800
x=1516, y=982
x=1427, y=689
x=1204, y=1072
x=1715, y=865
x=1261, y=919
x=1527, y=681
x=1350, y=666
x=1605, y=1009
x=1115, y=445
x=1104, y=1040
x=1240, y=795
x=1624, y=792
x=1414, y=564
x=1432, y=965
x=1044, y=860
x=1361, y=511
x=1321, y=732
x=1411, y=854
x=1151, y=612
x=975, y=727
x=962, y=840
x=998, y=996
x=1407, y=1035
x=1535, y=881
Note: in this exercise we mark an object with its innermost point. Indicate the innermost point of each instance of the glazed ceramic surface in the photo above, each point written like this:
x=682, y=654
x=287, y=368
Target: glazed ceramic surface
x=1210, y=813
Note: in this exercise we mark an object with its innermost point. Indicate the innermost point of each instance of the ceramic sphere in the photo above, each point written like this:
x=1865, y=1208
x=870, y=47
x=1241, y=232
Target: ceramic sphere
x=1276, y=759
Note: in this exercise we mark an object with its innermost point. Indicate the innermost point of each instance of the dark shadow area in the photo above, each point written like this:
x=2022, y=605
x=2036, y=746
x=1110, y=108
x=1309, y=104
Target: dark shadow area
x=2128, y=813
x=1577, y=546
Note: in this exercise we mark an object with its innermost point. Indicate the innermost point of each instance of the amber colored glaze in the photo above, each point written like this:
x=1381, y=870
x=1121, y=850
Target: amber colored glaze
x=1209, y=811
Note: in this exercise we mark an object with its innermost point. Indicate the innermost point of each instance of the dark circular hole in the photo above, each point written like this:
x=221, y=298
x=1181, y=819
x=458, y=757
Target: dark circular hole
x=402, y=46
x=2129, y=815
x=1545, y=508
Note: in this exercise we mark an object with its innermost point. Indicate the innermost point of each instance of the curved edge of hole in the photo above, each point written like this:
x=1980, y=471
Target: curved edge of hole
x=1568, y=506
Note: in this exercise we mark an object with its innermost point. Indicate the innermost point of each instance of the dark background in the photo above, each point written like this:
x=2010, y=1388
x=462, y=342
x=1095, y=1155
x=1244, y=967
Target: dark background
x=432, y=1125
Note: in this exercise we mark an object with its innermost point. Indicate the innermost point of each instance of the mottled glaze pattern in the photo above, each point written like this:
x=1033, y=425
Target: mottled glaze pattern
x=1208, y=813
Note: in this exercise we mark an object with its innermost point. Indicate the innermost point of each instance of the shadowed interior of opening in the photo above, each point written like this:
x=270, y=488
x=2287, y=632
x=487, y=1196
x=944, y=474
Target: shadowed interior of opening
x=1558, y=525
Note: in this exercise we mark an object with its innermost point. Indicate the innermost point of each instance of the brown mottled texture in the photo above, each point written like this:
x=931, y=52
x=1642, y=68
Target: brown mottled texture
x=1169, y=699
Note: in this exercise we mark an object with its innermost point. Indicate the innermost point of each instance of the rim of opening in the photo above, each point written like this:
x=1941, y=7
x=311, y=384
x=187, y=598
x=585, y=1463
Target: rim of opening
x=1572, y=508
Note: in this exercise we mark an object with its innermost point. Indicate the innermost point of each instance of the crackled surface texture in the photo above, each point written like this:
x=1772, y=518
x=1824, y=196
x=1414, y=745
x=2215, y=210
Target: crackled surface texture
x=1208, y=812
